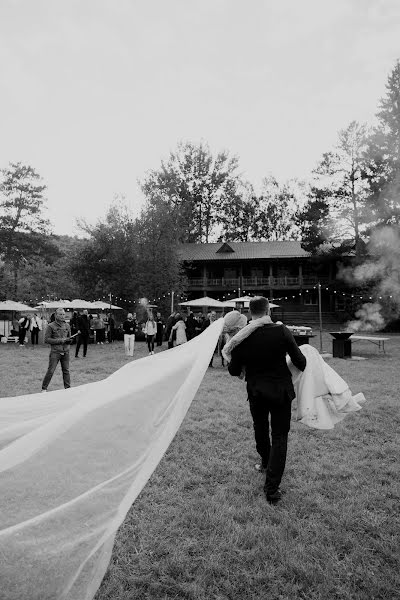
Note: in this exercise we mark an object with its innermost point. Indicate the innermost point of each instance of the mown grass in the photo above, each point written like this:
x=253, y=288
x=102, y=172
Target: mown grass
x=202, y=529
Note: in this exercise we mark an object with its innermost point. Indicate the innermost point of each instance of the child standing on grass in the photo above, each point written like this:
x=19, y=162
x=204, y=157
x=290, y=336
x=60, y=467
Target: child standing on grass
x=150, y=330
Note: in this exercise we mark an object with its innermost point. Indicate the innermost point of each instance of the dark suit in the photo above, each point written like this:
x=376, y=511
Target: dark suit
x=83, y=325
x=270, y=392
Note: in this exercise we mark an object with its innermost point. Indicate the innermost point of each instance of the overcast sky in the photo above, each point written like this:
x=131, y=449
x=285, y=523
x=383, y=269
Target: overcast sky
x=93, y=93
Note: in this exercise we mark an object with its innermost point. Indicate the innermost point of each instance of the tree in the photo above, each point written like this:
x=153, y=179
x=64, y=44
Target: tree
x=335, y=211
x=314, y=222
x=106, y=261
x=278, y=206
x=238, y=220
x=269, y=216
x=382, y=157
x=23, y=227
x=130, y=257
x=196, y=187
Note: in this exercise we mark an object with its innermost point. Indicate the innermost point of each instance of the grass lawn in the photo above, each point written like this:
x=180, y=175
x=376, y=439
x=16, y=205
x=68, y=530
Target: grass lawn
x=201, y=529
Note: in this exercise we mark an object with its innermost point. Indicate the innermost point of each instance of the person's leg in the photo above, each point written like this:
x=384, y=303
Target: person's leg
x=126, y=344
x=85, y=343
x=132, y=344
x=280, y=426
x=33, y=337
x=21, y=336
x=152, y=343
x=64, y=359
x=78, y=344
x=260, y=411
x=36, y=336
x=53, y=360
x=148, y=339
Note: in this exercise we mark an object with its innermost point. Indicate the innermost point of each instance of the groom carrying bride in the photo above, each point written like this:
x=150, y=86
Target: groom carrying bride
x=260, y=349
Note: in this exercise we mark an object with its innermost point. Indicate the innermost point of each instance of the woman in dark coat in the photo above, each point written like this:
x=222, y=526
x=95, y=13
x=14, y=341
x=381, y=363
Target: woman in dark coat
x=160, y=330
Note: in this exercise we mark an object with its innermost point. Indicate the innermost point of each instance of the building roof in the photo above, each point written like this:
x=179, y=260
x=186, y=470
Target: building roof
x=241, y=251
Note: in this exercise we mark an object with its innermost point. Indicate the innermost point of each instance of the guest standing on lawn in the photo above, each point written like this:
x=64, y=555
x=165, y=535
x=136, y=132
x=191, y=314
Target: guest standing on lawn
x=129, y=326
x=191, y=324
x=211, y=317
x=83, y=333
x=260, y=349
x=150, y=331
x=34, y=327
x=111, y=328
x=24, y=324
x=180, y=328
x=168, y=327
x=99, y=328
x=58, y=335
x=160, y=329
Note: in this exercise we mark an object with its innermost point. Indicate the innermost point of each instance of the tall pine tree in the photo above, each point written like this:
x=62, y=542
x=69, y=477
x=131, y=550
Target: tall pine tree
x=382, y=170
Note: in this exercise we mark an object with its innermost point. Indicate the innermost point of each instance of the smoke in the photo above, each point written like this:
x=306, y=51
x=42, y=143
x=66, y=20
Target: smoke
x=369, y=318
x=381, y=271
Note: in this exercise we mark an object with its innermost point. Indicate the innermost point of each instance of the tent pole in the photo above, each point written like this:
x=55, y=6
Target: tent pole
x=320, y=317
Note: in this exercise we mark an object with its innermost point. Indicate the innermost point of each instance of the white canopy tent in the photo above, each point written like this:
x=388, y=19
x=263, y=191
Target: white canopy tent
x=53, y=304
x=104, y=305
x=246, y=302
x=10, y=305
x=205, y=302
x=81, y=304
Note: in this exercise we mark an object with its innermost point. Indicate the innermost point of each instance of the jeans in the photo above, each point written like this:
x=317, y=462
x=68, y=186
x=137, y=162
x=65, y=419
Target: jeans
x=272, y=449
x=129, y=343
x=54, y=358
x=35, y=335
x=82, y=339
x=150, y=343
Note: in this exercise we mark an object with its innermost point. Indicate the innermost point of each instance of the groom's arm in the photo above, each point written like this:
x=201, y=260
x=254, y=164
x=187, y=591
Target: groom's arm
x=298, y=358
x=235, y=367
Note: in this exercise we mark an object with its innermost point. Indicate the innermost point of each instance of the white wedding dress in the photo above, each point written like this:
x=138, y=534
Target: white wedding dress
x=323, y=397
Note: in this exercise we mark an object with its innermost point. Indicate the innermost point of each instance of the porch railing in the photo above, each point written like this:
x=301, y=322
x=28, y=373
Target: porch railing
x=284, y=282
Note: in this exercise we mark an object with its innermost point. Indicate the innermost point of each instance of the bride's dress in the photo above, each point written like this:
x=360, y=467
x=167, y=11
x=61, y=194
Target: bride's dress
x=323, y=397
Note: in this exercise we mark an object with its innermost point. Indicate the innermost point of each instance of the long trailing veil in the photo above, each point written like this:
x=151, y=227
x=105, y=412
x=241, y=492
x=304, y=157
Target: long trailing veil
x=73, y=461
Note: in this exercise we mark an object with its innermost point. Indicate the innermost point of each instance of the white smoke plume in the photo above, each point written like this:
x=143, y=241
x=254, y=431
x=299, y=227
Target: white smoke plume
x=382, y=272
x=368, y=318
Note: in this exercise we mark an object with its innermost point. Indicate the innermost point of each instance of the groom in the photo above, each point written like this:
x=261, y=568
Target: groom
x=260, y=349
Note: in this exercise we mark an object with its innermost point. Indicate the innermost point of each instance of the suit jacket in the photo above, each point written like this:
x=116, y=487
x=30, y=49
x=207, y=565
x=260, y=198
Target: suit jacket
x=263, y=356
x=83, y=324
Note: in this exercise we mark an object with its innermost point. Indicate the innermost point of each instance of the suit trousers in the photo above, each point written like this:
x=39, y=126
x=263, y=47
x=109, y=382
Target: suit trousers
x=271, y=412
x=21, y=336
x=82, y=339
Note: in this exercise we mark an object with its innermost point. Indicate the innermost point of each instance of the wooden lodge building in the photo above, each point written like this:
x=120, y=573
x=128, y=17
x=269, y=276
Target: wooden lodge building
x=277, y=270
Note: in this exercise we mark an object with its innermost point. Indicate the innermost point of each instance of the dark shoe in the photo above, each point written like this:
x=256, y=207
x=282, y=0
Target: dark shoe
x=76, y=356
x=275, y=497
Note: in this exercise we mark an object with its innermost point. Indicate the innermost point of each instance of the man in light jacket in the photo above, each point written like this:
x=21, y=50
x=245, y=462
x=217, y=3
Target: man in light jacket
x=58, y=336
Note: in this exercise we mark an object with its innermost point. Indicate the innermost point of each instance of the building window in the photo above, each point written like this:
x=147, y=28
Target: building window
x=340, y=303
x=311, y=299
